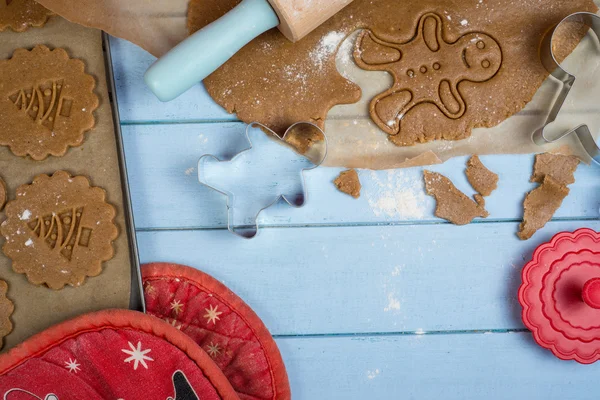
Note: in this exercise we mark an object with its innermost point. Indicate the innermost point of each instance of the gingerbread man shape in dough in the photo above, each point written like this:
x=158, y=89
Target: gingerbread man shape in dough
x=426, y=69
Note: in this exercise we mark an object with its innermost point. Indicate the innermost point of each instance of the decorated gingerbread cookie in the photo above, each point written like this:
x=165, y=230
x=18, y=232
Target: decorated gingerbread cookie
x=6, y=309
x=427, y=69
x=19, y=15
x=59, y=230
x=47, y=102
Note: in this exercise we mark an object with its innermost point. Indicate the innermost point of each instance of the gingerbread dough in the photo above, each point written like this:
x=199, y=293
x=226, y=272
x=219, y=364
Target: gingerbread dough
x=540, y=205
x=47, y=102
x=427, y=70
x=6, y=309
x=482, y=179
x=561, y=168
x=349, y=183
x=59, y=230
x=19, y=15
x=452, y=204
x=279, y=83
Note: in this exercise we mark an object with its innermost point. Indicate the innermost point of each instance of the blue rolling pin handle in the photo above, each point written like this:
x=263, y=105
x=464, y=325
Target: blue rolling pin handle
x=206, y=50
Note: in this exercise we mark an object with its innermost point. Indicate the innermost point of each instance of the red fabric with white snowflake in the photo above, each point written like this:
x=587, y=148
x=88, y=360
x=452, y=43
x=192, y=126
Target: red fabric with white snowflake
x=113, y=354
x=221, y=324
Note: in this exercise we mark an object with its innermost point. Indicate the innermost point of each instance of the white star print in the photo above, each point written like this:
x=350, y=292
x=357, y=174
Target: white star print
x=176, y=306
x=212, y=315
x=214, y=349
x=138, y=356
x=173, y=323
x=72, y=366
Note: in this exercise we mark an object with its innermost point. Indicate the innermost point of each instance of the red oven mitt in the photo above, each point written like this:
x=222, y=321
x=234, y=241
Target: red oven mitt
x=221, y=324
x=114, y=354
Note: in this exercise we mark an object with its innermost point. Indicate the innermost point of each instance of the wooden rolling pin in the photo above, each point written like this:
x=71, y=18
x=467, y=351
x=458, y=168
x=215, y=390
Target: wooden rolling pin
x=206, y=50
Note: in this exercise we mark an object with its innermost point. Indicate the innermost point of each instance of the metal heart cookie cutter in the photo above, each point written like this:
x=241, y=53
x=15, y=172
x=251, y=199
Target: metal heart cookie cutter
x=551, y=64
x=270, y=170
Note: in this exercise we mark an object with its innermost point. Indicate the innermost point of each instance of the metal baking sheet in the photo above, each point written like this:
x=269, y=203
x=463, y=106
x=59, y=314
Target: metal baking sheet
x=136, y=301
x=101, y=159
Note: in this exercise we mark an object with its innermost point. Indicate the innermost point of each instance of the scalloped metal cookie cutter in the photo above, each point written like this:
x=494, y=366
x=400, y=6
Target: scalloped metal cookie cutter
x=316, y=155
x=553, y=66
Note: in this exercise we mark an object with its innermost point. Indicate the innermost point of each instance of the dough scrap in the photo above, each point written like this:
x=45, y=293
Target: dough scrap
x=540, y=206
x=452, y=204
x=47, y=102
x=19, y=15
x=59, y=230
x=6, y=309
x=561, y=168
x=278, y=83
x=482, y=179
x=349, y=183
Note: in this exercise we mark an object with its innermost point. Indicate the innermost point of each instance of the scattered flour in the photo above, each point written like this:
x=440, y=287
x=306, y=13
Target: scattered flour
x=203, y=139
x=393, y=303
x=190, y=171
x=29, y=243
x=373, y=374
x=345, y=57
x=25, y=216
x=400, y=195
x=396, y=271
x=326, y=47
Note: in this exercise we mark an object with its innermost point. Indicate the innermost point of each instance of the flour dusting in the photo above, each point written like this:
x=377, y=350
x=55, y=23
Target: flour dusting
x=25, y=216
x=400, y=195
x=190, y=171
x=345, y=56
x=393, y=303
x=373, y=374
x=326, y=47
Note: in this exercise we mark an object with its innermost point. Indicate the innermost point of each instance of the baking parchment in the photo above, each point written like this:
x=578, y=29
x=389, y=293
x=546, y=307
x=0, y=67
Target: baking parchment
x=353, y=140
x=37, y=307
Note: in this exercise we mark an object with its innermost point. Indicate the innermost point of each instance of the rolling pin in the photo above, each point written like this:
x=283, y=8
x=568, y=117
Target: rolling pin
x=206, y=50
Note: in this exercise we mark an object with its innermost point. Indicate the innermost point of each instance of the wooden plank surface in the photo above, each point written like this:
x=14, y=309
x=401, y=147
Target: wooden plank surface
x=371, y=298
x=375, y=279
x=449, y=367
x=162, y=163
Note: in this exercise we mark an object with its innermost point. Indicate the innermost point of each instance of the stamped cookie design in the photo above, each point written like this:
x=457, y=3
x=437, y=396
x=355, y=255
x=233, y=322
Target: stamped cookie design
x=59, y=230
x=6, y=309
x=426, y=69
x=19, y=15
x=46, y=102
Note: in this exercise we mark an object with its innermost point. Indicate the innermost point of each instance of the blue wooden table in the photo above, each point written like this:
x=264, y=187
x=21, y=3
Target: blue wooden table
x=367, y=299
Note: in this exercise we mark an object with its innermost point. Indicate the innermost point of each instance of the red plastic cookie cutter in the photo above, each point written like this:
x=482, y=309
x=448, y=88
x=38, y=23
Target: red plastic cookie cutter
x=560, y=295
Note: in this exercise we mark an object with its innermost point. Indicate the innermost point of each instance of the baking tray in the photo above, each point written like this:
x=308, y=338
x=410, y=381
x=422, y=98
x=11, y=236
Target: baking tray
x=100, y=158
x=137, y=294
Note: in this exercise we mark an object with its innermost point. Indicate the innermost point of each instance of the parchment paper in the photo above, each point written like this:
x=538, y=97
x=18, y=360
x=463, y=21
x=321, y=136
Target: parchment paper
x=354, y=141
x=37, y=307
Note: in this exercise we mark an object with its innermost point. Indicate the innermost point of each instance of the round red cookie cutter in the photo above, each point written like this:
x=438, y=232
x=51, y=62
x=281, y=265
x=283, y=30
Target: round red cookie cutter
x=560, y=295
x=221, y=324
x=113, y=354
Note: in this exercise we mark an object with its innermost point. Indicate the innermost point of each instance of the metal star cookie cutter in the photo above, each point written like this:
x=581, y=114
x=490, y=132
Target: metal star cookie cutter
x=304, y=141
x=557, y=71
